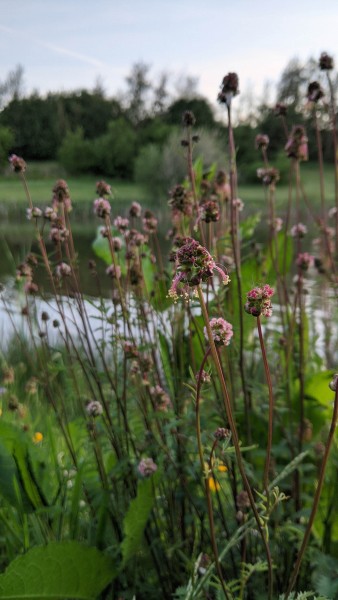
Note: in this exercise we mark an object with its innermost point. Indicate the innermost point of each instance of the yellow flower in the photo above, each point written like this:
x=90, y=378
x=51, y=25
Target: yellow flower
x=37, y=437
x=222, y=468
x=214, y=486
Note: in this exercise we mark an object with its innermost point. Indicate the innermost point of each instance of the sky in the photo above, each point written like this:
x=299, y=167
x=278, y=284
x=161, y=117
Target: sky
x=68, y=44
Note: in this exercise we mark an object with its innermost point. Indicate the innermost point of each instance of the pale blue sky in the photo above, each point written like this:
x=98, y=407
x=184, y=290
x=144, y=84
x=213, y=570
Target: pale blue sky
x=67, y=44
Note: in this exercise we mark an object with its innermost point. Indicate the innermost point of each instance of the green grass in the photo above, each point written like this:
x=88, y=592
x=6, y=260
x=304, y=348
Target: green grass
x=42, y=176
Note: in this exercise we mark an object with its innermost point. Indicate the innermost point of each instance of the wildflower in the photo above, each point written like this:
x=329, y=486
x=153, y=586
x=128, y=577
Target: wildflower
x=299, y=230
x=17, y=163
x=204, y=376
x=58, y=234
x=135, y=209
x=181, y=200
x=305, y=260
x=296, y=146
x=229, y=88
x=269, y=175
x=50, y=214
x=62, y=270
x=221, y=331
x=129, y=350
x=221, y=186
x=325, y=62
x=194, y=265
x=102, y=207
x=258, y=301
x=242, y=500
x=221, y=433
x=188, y=118
x=121, y=223
x=94, y=408
x=31, y=288
x=37, y=437
x=277, y=224
x=334, y=382
x=33, y=213
x=146, y=467
x=314, y=92
x=149, y=222
x=114, y=271
x=161, y=398
x=262, y=141
x=213, y=484
x=103, y=188
x=209, y=211
x=24, y=270
x=31, y=386
x=61, y=191
x=8, y=375
x=237, y=203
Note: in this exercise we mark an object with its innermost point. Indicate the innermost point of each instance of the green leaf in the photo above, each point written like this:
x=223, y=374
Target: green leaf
x=137, y=517
x=57, y=571
x=166, y=361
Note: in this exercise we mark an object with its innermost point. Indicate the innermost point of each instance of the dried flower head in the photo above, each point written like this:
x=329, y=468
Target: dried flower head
x=188, y=118
x=17, y=163
x=103, y=188
x=161, y=398
x=61, y=191
x=58, y=235
x=221, y=331
x=135, y=209
x=94, y=408
x=229, y=88
x=209, y=211
x=296, y=146
x=268, y=175
x=259, y=301
x=181, y=200
x=314, y=92
x=114, y=271
x=262, y=141
x=146, y=467
x=242, y=500
x=222, y=434
x=325, y=62
x=149, y=222
x=102, y=207
x=62, y=270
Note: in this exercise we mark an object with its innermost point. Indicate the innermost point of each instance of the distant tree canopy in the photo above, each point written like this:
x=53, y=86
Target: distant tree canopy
x=87, y=131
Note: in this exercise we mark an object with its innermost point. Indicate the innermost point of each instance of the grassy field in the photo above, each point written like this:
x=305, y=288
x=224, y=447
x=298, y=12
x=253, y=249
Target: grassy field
x=42, y=176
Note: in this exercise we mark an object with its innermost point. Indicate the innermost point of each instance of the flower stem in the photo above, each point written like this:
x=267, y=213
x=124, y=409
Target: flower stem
x=268, y=380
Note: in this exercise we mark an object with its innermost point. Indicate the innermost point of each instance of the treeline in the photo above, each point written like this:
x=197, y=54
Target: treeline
x=130, y=136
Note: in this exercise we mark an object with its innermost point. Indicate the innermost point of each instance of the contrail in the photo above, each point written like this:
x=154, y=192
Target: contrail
x=57, y=49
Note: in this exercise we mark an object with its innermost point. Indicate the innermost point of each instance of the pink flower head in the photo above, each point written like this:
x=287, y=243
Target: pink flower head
x=194, y=265
x=102, y=208
x=209, y=211
x=135, y=209
x=238, y=203
x=114, y=271
x=269, y=175
x=258, y=301
x=298, y=230
x=61, y=191
x=149, y=222
x=161, y=398
x=181, y=201
x=277, y=224
x=58, y=235
x=33, y=213
x=121, y=223
x=305, y=260
x=146, y=467
x=221, y=331
x=17, y=163
x=62, y=270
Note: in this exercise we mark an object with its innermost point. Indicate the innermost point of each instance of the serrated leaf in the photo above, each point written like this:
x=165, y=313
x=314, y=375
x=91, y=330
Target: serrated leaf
x=57, y=571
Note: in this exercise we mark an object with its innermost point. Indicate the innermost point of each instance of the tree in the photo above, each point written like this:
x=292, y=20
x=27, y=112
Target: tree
x=12, y=87
x=138, y=86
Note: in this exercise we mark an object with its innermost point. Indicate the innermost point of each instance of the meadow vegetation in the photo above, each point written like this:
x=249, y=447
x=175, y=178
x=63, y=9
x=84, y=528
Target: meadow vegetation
x=177, y=439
